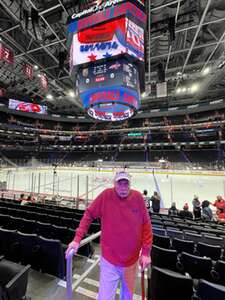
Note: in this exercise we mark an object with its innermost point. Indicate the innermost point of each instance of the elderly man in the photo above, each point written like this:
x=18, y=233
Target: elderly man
x=126, y=236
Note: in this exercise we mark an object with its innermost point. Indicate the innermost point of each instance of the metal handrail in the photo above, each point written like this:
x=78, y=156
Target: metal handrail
x=69, y=272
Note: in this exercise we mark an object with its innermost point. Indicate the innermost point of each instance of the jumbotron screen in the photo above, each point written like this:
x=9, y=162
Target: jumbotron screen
x=121, y=36
x=27, y=107
x=110, y=73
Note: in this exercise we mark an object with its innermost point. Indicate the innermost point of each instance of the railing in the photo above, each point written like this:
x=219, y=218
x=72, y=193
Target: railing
x=216, y=165
x=69, y=285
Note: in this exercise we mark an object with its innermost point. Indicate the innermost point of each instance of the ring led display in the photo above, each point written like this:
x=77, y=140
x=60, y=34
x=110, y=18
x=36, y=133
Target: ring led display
x=115, y=102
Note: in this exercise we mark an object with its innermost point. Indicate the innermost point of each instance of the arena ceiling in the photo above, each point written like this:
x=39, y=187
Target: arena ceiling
x=184, y=42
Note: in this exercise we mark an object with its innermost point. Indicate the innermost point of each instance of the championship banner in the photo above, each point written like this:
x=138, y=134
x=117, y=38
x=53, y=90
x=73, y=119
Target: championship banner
x=6, y=54
x=161, y=89
x=2, y=92
x=28, y=71
x=44, y=81
x=104, y=41
x=110, y=73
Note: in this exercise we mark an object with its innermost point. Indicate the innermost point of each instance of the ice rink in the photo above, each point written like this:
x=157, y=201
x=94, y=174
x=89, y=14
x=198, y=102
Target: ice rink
x=88, y=183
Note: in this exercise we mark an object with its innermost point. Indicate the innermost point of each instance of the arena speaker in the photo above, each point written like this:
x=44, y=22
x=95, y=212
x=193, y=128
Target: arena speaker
x=161, y=72
x=62, y=57
x=171, y=29
x=35, y=24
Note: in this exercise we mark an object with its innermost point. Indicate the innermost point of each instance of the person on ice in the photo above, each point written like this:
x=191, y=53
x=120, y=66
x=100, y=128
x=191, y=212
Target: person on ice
x=126, y=236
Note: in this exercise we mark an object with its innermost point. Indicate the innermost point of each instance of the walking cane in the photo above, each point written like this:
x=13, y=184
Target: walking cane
x=143, y=285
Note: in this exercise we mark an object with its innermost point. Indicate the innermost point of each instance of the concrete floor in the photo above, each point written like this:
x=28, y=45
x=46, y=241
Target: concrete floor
x=46, y=287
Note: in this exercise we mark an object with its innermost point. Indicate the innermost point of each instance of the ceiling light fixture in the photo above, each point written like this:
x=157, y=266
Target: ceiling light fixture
x=49, y=97
x=144, y=95
x=71, y=94
x=194, y=88
x=206, y=71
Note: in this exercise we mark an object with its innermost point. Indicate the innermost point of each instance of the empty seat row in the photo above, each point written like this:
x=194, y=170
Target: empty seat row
x=160, y=219
x=197, y=267
x=47, y=230
x=177, y=287
x=47, y=255
x=215, y=252
x=33, y=215
x=13, y=280
x=187, y=227
x=189, y=235
x=29, y=226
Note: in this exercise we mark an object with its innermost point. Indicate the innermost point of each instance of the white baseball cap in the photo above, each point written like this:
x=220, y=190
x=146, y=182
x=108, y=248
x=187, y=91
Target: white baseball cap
x=122, y=175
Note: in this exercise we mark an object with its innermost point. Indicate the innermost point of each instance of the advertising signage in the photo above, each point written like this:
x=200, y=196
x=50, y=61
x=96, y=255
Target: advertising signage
x=27, y=107
x=110, y=116
x=105, y=41
x=124, y=9
x=114, y=101
x=102, y=6
x=116, y=72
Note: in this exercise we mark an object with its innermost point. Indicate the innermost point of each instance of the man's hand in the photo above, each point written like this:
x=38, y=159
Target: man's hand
x=144, y=262
x=73, y=245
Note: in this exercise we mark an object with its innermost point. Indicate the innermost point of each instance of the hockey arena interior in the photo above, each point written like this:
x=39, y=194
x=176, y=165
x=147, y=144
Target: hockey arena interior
x=92, y=88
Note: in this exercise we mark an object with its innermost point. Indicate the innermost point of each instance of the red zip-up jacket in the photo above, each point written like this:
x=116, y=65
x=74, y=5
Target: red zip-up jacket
x=125, y=226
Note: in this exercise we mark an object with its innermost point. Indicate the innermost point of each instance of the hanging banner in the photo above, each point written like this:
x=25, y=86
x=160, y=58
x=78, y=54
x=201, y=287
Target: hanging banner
x=6, y=54
x=161, y=89
x=28, y=71
x=44, y=81
x=2, y=92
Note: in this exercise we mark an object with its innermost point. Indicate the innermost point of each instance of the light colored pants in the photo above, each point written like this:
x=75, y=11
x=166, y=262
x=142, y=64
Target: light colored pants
x=111, y=275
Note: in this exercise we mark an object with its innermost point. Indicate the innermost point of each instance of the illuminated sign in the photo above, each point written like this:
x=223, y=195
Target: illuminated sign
x=110, y=116
x=110, y=98
x=118, y=103
x=110, y=73
x=123, y=9
x=95, y=9
x=27, y=107
x=135, y=134
x=102, y=6
x=117, y=37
